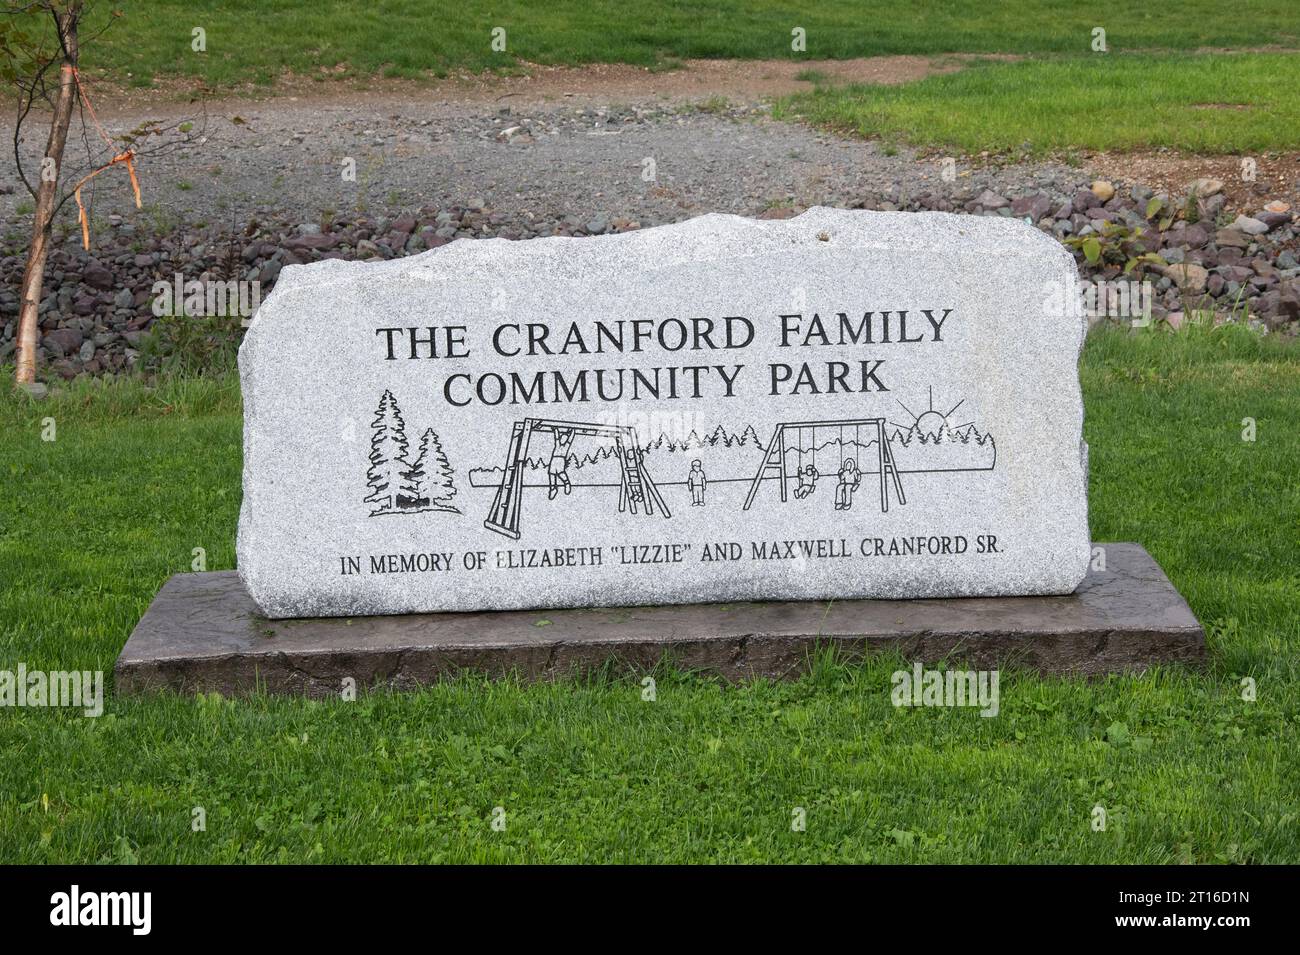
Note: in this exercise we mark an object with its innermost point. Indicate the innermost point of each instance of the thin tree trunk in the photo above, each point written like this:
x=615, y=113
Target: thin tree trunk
x=46, y=198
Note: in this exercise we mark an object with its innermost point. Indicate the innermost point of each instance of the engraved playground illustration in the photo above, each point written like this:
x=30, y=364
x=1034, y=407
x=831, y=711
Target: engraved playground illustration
x=829, y=463
x=636, y=489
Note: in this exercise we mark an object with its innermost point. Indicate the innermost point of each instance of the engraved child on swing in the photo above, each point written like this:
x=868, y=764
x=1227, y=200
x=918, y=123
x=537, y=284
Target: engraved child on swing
x=557, y=470
x=850, y=478
x=807, y=482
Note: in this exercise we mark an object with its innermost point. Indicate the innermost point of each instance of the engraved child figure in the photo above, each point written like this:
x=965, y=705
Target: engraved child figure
x=557, y=471
x=697, y=482
x=850, y=478
x=807, y=482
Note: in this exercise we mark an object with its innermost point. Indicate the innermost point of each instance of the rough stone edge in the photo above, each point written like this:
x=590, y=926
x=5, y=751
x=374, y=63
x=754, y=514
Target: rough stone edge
x=1087, y=652
x=1093, y=653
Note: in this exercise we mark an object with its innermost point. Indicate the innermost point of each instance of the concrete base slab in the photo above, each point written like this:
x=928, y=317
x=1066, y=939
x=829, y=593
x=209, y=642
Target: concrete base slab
x=203, y=633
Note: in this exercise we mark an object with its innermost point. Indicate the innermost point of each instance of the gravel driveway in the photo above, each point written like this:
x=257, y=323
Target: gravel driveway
x=265, y=186
x=650, y=162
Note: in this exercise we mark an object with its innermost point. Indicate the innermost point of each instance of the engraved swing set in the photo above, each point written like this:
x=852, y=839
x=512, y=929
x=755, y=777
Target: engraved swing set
x=774, y=460
x=636, y=487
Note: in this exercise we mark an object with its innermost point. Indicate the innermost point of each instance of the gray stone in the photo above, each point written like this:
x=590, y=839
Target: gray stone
x=1189, y=276
x=1034, y=207
x=978, y=489
x=1211, y=207
x=311, y=242
x=1085, y=199
x=1205, y=187
x=991, y=200
x=1273, y=219
x=1231, y=238
x=62, y=341
x=202, y=633
x=96, y=276
x=1195, y=236
x=1248, y=225
x=1288, y=302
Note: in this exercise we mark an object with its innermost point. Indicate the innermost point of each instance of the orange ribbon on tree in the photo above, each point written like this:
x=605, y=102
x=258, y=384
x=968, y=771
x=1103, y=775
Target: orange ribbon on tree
x=127, y=158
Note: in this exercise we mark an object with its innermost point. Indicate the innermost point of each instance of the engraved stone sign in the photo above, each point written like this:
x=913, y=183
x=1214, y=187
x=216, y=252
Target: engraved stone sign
x=844, y=404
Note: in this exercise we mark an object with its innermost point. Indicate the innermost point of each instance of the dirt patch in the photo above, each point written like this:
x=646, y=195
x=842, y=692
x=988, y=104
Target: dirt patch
x=1275, y=176
x=743, y=81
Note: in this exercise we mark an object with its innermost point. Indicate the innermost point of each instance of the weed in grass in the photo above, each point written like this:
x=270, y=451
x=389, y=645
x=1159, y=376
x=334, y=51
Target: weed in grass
x=159, y=220
x=668, y=64
x=187, y=345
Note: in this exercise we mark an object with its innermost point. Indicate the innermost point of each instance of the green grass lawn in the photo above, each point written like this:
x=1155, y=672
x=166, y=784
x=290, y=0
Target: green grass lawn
x=1151, y=90
x=93, y=522
x=258, y=39
x=1233, y=104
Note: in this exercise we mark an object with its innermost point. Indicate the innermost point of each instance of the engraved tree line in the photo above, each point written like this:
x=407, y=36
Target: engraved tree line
x=398, y=484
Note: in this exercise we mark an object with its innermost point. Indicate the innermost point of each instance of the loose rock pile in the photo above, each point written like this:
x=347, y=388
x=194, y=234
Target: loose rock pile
x=1241, y=264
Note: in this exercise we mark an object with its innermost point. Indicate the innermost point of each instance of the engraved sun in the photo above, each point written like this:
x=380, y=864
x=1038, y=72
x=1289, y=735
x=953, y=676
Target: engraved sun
x=932, y=420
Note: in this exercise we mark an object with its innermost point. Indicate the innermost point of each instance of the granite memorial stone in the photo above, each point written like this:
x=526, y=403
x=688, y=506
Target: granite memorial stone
x=844, y=404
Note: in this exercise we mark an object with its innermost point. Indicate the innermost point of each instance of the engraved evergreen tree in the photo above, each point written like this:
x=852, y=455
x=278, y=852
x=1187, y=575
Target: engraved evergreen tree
x=388, y=456
x=441, y=477
x=411, y=490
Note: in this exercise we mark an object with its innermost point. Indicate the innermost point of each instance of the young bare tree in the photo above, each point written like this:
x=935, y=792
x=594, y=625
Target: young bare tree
x=37, y=39
x=25, y=54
